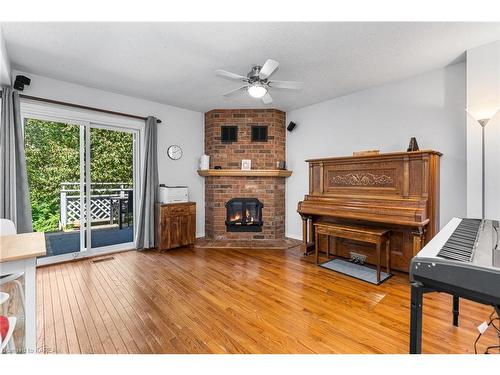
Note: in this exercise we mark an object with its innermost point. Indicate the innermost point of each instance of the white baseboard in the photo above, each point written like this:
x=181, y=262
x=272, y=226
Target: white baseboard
x=294, y=236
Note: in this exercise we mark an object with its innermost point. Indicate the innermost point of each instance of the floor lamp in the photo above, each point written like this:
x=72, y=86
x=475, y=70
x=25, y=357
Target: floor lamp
x=483, y=122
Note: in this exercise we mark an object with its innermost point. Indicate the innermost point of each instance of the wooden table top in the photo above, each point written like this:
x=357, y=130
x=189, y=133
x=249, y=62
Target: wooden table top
x=22, y=246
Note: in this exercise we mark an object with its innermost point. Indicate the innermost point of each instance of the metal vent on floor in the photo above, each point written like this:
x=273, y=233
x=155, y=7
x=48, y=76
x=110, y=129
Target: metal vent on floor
x=102, y=260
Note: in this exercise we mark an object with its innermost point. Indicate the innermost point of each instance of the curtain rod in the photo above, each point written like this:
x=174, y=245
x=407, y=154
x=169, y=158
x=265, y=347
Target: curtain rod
x=82, y=107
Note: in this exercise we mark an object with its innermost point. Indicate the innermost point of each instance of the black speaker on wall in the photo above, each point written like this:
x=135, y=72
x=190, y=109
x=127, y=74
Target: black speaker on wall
x=291, y=126
x=20, y=82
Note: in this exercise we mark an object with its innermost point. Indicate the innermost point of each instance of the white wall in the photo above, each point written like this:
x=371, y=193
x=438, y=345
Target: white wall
x=430, y=107
x=179, y=126
x=4, y=62
x=483, y=100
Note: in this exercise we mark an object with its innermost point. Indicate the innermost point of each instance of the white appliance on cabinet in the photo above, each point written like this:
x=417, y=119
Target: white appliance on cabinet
x=173, y=194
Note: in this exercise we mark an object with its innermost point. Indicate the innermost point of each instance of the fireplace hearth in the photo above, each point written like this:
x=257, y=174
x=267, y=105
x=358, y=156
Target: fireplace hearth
x=244, y=215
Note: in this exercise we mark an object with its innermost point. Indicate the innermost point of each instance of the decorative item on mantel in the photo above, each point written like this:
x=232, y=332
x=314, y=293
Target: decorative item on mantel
x=366, y=153
x=204, y=162
x=413, y=146
x=246, y=165
x=281, y=164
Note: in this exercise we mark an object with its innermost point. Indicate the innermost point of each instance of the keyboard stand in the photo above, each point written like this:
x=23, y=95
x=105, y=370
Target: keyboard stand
x=417, y=300
x=456, y=308
x=418, y=289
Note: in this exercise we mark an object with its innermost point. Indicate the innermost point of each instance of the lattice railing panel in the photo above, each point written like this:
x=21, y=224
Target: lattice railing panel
x=102, y=206
x=100, y=209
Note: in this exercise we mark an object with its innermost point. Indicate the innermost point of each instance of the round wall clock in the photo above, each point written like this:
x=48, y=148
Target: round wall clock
x=174, y=152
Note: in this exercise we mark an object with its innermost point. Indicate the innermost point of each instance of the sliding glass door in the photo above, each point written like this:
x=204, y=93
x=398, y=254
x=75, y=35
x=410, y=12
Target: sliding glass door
x=81, y=178
x=55, y=165
x=111, y=181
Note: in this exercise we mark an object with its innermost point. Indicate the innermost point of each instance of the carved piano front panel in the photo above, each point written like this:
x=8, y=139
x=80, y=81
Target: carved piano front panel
x=380, y=175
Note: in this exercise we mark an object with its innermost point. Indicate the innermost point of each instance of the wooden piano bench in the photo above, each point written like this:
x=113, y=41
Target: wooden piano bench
x=378, y=236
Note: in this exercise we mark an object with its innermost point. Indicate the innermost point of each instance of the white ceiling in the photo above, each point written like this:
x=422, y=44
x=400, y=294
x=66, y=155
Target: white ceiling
x=174, y=63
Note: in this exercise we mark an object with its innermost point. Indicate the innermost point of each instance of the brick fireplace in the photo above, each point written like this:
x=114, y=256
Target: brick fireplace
x=266, y=184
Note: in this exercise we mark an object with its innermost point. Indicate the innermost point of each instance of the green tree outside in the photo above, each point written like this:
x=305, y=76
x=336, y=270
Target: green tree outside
x=53, y=157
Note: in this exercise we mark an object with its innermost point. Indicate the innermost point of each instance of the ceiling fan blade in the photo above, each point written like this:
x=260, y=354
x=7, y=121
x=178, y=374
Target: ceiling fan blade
x=226, y=74
x=232, y=92
x=267, y=99
x=292, y=85
x=268, y=68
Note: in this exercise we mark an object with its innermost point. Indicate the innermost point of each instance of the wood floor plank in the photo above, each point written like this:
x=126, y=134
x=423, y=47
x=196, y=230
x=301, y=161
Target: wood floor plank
x=84, y=314
x=99, y=335
x=135, y=310
x=130, y=320
x=61, y=341
x=166, y=310
x=238, y=301
x=115, y=312
x=118, y=333
x=142, y=297
x=69, y=323
x=80, y=328
x=48, y=327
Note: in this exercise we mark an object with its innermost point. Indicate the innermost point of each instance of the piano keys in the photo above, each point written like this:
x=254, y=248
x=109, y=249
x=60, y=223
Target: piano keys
x=396, y=191
x=462, y=241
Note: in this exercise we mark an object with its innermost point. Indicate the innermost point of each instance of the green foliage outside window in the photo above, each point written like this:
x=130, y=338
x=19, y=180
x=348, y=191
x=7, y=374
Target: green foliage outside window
x=53, y=157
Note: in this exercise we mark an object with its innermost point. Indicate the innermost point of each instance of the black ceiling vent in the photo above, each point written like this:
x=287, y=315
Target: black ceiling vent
x=229, y=134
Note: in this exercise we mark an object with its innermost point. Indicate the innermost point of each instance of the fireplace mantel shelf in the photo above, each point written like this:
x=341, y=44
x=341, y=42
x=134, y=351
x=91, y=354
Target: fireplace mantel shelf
x=241, y=173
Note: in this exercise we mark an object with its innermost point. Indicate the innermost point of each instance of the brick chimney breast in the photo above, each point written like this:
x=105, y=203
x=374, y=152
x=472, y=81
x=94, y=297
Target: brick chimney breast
x=264, y=155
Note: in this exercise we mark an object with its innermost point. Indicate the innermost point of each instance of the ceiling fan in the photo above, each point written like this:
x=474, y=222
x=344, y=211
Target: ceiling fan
x=257, y=82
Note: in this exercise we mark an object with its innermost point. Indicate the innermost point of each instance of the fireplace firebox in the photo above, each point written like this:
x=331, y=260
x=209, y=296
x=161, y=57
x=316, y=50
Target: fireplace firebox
x=244, y=215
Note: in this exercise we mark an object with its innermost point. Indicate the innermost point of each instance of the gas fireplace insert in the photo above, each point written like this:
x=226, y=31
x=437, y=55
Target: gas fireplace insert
x=244, y=215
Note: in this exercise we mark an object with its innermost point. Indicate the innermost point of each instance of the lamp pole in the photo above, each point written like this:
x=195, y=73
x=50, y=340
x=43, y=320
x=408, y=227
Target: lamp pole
x=483, y=123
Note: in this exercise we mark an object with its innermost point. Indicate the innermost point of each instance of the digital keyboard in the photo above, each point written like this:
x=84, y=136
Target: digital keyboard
x=465, y=255
x=463, y=259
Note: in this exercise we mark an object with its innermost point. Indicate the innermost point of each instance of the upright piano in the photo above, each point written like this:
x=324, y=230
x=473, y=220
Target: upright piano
x=398, y=191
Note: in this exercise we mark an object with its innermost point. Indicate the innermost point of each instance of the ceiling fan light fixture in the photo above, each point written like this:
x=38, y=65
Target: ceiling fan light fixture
x=257, y=90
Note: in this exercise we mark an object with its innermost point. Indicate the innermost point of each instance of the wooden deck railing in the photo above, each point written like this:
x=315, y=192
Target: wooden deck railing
x=100, y=201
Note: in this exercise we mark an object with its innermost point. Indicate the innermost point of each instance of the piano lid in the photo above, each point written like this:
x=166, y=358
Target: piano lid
x=378, y=156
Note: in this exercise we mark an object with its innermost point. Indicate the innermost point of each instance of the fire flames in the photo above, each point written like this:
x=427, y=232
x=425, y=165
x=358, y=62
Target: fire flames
x=236, y=218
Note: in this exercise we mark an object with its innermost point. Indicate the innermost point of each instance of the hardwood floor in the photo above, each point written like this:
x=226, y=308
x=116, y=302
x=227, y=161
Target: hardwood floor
x=235, y=301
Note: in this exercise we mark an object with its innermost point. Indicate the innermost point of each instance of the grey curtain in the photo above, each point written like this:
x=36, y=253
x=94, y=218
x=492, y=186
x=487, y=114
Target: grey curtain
x=149, y=183
x=14, y=193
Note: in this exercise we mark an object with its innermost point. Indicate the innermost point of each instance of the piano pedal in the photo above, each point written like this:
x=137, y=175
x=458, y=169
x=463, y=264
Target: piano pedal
x=357, y=258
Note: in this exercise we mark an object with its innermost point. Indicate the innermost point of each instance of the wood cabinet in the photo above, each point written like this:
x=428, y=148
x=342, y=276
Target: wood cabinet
x=175, y=225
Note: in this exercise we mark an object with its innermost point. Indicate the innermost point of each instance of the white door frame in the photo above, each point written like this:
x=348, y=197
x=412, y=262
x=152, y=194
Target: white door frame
x=87, y=119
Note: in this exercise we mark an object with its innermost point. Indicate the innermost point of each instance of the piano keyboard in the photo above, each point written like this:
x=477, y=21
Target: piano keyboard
x=460, y=246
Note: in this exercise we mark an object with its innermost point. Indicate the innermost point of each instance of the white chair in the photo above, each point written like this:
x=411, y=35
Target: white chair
x=7, y=227
x=4, y=297
x=14, y=278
